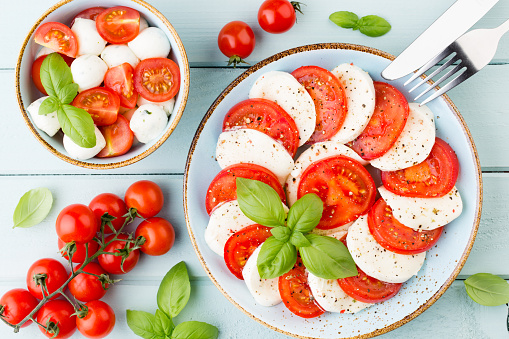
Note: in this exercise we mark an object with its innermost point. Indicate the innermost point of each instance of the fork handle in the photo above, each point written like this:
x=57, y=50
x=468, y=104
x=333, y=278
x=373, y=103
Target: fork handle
x=502, y=29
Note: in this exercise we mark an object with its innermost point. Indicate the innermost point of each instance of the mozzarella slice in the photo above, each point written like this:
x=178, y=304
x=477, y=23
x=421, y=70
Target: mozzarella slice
x=264, y=291
x=331, y=297
x=90, y=42
x=424, y=213
x=318, y=151
x=82, y=153
x=360, y=100
x=150, y=43
x=47, y=123
x=253, y=147
x=287, y=92
x=166, y=105
x=377, y=261
x=147, y=122
x=414, y=144
x=114, y=55
x=88, y=71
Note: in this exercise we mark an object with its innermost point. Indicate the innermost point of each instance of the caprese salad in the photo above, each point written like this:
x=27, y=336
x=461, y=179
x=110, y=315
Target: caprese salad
x=344, y=122
x=125, y=79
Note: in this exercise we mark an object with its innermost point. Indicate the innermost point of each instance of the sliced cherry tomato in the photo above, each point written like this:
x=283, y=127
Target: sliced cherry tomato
x=57, y=313
x=98, y=322
x=146, y=196
x=345, y=187
x=58, y=37
x=16, y=304
x=241, y=245
x=77, y=223
x=432, y=178
x=296, y=294
x=396, y=237
x=267, y=117
x=159, y=236
x=329, y=97
x=119, y=138
x=118, y=25
x=277, y=16
x=51, y=271
x=89, y=13
x=386, y=124
x=112, y=263
x=101, y=103
x=36, y=70
x=157, y=79
x=112, y=204
x=237, y=41
x=120, y=80
x=87, y=287
x=79, y=255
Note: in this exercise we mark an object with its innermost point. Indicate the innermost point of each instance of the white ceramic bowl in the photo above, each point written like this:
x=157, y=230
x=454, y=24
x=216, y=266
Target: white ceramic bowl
x=64, y=12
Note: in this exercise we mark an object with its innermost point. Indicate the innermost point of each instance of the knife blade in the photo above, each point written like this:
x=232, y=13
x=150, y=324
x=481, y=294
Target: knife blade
x=462, y=15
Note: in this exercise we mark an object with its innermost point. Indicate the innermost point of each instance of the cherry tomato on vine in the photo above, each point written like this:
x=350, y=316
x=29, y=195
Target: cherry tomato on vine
x=55, y=276
x=113, y=205
x=278, y=16
x=112, y=263
x=98, y=322
x=159, y=236
x=237, y=41
x=79, y=255
x=86, y=287
x=57, y=313
x=77, y=223
x=16, y=304
x=146, y=196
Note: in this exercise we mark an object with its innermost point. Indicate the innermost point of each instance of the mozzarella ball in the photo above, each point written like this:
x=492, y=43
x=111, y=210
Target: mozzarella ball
x=47, y=123
x=82, y=153
x=143, y=23
x=114, y=55
x=166, y=105
x=150, y=43
x=89, y=41
x=44, y=51
x=148, y=122
x=88, y=71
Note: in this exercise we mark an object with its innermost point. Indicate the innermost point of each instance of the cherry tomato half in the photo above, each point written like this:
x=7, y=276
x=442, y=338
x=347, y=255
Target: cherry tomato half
x=79, y=255
x=36, y=71
x=276, y=16
x=89, y=13
x=118, y=25
x=56, y=276
x=113, y=205
x=58, y=313
x=58, y=37
x=119, y=138
x=99, y=321
x=101, y=103
x=76, y=222
x=17, y=304
x=87, y=287
x=157, y=79
x=237, y=41
x=112, y=263
x=159, y=236
x=120, y=80
x=146, y=196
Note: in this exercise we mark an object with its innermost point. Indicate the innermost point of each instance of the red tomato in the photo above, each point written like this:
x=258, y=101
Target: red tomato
x=101, y=103
x=276, y=16
x=432, y=178
x=98, y=322
x=345, y=187
x=119, y=138
x=367, y=289
x=396, y=237
x=111, y=204
x=89, y=13
x=157, y=79
x=296, y=294
x=120, y=80
x=60, y=314
x=56, y=276
x=386, y=124
x=329, y=97
x=58, y=37
x=118, y=25
x=79, y=255
x=241, y=245
x=112, y=263
x=237, y=41
x=159, y=236
x=146, y=196
x=267, y=117
x=86, y=287
x=16, y=304
x=36, y=71
x=77, y=223
x=224, y=186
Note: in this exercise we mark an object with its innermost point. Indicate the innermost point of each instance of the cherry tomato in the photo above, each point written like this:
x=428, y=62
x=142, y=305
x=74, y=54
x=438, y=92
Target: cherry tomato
x=159, y=236
x=58, y=37
x=367, y=289
x=101, y=103
x=59, y=313
x=120, y=80
x=56, y=276
x=157, y=79
x=79, y=255
x=112, y=263
x=86, y=287
x=118, y=25
x=16, y=304
x=146, y=196
x=77, y=223
x=89, y=13
x=36, y=70
x=277, y=16
x=113, y=205
x=237, y=41
x=119, y=138
x=98, y=322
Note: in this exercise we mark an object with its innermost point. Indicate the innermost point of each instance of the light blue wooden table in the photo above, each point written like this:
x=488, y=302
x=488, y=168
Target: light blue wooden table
x=25, y=164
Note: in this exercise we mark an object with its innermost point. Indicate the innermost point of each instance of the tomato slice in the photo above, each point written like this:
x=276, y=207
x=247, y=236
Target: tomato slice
x=101, y=103
x=58, y=37
x=267, y=117
x=386, y=124
x=90, y=13
x=432, y=178
x=224, y=186
x=157, y=79
x=296, y=294
x=396, y=237
x=119, y=138
x=36, y=70
x=118, y=25
x=120, y=80
x=345, y=187
x=241, y=245
x=329, y=97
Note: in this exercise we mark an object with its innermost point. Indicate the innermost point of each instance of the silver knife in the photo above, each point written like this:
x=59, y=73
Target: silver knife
x=462, y=15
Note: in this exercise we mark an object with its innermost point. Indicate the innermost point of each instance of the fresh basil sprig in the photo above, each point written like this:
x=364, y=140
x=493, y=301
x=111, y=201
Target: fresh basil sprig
x=33, y=207
x=487, y=289
x=370, y=25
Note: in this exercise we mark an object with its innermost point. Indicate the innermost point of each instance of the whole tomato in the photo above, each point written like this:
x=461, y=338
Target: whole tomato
x=237, y=41
x=277, y=16
x=57, y=313
x=146, y=197
x=112, y=263
x=77, y=223
x=87, y=287
x=159, y=236
x=98, y=322
x=16, y=304
x=55, y=276
x=79, y=255
x=113, y=205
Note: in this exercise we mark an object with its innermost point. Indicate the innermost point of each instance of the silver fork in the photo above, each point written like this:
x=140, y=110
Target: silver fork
x=473, y=50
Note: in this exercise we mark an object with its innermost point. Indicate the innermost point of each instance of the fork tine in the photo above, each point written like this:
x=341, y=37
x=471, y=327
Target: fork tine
x=437, y=71
x=442, y=79
x=429, y=64
x=453, y=83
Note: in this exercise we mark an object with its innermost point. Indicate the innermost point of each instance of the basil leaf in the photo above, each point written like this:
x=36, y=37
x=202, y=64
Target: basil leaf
x=55, y=74
x=299, y=240
x=344, y=19
x=163, y=325
x=281, y=233
x=142, y=324
x=174, y=291
x=195, y=330
x=306, y=213
x=260, y=203
x=33, y=207
x=487, y=289
x=373, y=26
x=49, y=105
x=327, y=258
x=77, y=124
x=67, y=93
x=275, y=258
